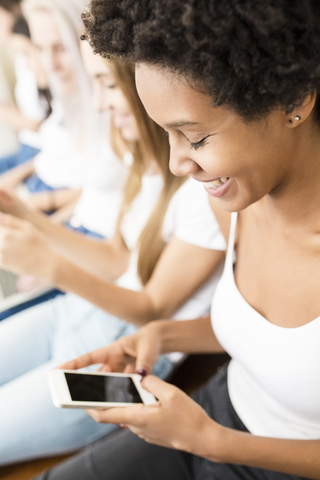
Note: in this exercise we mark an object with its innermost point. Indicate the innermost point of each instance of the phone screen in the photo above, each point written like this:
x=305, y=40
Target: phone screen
x=100, y=388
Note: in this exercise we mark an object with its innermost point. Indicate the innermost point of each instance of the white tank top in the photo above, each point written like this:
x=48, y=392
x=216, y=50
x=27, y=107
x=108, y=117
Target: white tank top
x=274, y=374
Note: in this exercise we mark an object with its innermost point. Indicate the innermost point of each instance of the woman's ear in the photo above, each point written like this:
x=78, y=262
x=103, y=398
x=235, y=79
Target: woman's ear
x=301, y=113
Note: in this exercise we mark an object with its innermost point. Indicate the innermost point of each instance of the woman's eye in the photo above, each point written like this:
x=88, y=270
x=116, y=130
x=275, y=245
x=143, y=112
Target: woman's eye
x=199, y=144
x=166, y=133
x=109, y=86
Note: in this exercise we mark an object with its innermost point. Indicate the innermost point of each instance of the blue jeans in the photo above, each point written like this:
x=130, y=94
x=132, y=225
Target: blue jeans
x=32, y=343
x=35, y=184
x=30, y=303
x=85, y=231
x=24, y=154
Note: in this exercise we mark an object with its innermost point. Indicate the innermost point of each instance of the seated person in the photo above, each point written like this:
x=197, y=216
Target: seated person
x=55, y=176
x=32, y=95
x=240, y=73
x=163, y=261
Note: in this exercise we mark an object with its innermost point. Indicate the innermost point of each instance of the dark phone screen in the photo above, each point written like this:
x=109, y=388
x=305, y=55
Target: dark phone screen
x=101, y=388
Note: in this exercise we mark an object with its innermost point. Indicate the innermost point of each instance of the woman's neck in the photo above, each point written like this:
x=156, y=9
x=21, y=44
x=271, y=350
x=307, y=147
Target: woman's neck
x=296, y=200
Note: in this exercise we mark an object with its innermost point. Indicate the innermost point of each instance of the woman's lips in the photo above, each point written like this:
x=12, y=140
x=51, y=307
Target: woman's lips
x=122, y=121
x=219, y=187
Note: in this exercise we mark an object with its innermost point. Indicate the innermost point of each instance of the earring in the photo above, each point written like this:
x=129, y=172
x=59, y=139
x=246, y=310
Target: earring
x=297, y=118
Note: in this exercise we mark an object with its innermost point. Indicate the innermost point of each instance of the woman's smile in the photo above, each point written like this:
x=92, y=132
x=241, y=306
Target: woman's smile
x=218, y=187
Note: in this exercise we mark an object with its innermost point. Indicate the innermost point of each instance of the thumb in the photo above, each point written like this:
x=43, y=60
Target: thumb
x=157, y=387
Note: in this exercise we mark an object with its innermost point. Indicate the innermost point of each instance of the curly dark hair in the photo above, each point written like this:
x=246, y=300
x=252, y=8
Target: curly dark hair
x=251, y=56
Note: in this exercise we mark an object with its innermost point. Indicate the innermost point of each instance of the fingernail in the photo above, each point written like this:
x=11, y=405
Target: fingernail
x=123, y=426
x=143, y=372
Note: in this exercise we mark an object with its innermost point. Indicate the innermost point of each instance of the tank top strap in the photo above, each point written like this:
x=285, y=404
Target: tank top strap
x=230, y=251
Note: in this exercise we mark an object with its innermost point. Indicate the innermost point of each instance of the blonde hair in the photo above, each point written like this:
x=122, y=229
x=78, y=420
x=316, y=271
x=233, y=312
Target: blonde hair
x=152, y=145
x=78, y=112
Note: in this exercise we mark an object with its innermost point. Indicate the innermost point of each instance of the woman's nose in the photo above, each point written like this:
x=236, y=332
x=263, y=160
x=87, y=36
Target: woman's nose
x=180, y=162
x=100, y=100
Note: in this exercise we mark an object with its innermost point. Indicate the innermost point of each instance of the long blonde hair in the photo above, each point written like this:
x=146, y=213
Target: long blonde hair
x=78, y=112
x=152, y=145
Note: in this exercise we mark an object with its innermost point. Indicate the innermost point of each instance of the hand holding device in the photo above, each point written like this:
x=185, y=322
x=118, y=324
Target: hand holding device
x=137, y=352
x=175, y=421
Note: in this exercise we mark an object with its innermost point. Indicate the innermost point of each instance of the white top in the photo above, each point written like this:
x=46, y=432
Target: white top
x=102, y=193
x=273, y=377
x=27, y=100
x=190, y=218
x=58, y=165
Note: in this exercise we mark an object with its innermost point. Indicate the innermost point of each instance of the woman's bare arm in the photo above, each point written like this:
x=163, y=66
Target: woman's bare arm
x=52, y=200
x=14, y=177
x=294, y=457
x=181, y=270
x=107, y=260
x=11, y=116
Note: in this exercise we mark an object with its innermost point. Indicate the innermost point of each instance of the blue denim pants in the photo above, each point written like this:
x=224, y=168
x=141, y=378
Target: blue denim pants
x=31, y=344
x=25, y=153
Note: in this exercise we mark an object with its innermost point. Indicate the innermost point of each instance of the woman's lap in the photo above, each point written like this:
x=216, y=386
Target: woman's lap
x=214, y=398
x=122, y=455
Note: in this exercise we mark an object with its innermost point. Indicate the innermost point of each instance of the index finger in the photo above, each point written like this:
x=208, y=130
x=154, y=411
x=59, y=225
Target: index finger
x=91, y=358
x=112, y=357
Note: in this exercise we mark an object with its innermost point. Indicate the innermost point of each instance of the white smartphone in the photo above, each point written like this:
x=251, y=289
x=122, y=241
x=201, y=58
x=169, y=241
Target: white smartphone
x=101, y=390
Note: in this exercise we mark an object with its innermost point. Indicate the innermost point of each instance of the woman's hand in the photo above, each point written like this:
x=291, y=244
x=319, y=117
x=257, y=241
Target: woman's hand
x=10, y=203
x=23, y=250
x=137, y=352
x=28, y=283
x=175, y=421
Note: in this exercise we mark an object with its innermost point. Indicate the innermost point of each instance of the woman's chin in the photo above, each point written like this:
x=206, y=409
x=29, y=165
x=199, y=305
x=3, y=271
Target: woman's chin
x=130, y=134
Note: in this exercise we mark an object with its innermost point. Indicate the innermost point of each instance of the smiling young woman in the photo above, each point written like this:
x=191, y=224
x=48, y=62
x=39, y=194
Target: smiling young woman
x=235, y=85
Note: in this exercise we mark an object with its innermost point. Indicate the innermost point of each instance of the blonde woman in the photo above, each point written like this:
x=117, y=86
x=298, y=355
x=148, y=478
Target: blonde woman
x=75, y=153
x=161, y=262
x=55, y=27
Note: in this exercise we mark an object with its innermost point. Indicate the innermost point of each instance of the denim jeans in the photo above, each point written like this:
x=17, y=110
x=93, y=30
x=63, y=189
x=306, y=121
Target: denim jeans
x=24, y=154
x=32, y=343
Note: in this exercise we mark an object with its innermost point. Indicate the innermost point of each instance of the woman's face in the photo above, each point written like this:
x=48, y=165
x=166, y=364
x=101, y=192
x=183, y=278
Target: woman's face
x=6, y=24
x=57, y=61
x=238, y=162
x=107, y=94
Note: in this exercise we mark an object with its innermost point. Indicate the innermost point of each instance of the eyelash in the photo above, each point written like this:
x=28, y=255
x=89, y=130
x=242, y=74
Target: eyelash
x=109, y=87
x=196, y=145
x=199, y=144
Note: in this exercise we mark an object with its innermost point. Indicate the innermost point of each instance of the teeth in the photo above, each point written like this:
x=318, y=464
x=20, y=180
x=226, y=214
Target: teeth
x=217, y=183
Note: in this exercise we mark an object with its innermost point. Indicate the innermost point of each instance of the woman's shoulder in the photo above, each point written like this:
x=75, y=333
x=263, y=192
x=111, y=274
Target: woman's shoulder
x=191, y=218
